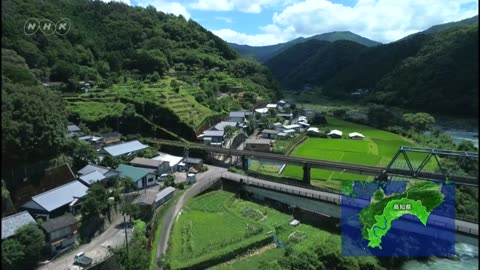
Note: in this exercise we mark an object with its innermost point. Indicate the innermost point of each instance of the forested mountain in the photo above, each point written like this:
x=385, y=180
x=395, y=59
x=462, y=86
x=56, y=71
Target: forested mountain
x=265, y=53
x=437, y=28
x=150, y=71
x=313, y=62
x=434, y=72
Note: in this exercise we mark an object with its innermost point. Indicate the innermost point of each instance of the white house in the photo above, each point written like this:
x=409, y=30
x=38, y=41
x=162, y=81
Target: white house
x=239, y=116
x=295, y=127
x=356, y=135
x=173, y=161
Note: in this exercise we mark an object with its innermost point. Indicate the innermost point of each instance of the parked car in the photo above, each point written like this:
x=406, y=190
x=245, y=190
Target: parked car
x=82, y=260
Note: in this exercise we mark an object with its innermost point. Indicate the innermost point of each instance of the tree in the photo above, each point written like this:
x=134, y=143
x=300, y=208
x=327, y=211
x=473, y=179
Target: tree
x=33, y=124
x=96, y=202
x=379, y=116
x=33, y=238
x=419, y=121
x=109, y=161
x=13, y=254
x=130, y=209
x=81, y=152
x=229, y=131
x=169, y=181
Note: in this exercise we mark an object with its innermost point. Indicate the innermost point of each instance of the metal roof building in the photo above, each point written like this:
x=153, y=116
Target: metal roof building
x=91, y=178
x=125, y=148
x=134, y=173
x=223, y=124
x=56, y=198
x=145, y=162
x=12, y=223
x=91, y=168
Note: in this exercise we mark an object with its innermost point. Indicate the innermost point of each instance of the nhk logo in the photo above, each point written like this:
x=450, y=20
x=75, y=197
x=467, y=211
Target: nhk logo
x=47, y=27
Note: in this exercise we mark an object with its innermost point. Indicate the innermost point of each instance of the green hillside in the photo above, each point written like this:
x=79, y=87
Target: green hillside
x=265, y=53
x=429, y=72
x=312, y=62
x=137, y=56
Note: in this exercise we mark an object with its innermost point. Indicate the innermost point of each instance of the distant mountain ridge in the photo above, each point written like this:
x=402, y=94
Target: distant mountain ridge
x=265, y=53
x=440, y=27
x=434, y=71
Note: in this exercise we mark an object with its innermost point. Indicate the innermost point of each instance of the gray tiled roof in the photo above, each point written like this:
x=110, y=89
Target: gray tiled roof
x=145, y=162
x=73, y=128
x=125, y=148
x=213, y=133
x=240, y=114
x=54, y=224
x=60, y=196
x=92, y=177
x=12, y=223
x=91, y=168
x=257, y=141
x=223, y=124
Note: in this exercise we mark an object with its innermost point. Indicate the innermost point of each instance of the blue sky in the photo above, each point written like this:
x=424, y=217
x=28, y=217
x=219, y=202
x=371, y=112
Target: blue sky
x=266, y=22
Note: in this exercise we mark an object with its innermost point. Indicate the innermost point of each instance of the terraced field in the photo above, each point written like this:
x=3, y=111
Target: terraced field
x=182, y=103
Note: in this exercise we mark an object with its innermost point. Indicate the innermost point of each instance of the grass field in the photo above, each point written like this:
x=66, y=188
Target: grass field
x=208, y=227
x=218, y=209
x=377, y=149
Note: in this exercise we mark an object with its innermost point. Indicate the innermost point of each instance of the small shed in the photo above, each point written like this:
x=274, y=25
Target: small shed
x=335, y=133
x=270, y=133
x=164, y=195
x=191, y=178
x=356, y=136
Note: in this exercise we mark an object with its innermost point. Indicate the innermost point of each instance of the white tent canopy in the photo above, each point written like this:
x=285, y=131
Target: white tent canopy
x=335, y=132
x=355, y=135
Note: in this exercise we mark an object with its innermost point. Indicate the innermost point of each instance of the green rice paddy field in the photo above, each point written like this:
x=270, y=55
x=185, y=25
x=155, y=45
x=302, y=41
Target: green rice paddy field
x=218, y=222
x=377, y=149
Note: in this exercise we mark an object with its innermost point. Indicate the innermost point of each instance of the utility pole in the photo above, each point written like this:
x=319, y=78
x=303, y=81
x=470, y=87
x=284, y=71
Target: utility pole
x=185, y=156
x=126, y=238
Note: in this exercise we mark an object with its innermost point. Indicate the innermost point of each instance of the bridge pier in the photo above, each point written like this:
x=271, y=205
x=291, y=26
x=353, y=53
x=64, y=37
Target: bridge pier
x=306, y=174
x=244, y=163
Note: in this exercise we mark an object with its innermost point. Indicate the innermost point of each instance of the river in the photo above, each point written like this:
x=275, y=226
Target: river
x=468, y=260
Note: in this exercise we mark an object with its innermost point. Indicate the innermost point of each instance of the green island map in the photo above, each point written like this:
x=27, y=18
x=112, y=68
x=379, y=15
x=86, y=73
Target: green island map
x=418, y=199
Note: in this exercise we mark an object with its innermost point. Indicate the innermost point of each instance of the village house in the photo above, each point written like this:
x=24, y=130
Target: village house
x=173, y=161
x=141, y=177
x=212, y=137
x=269, y=133
x=159, y=166
x=195, y=163
x=61, y=232
x=260, y=145
x=111, y=137
x=123, y=149
x=239, y=116
x=12, y=223
x=57, y=201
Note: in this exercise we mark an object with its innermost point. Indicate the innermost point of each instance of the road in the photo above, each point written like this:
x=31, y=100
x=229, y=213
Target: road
x=203, y=180
x=96, y=249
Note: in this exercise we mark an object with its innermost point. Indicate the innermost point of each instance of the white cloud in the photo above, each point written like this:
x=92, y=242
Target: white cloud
x=380, y=20
x=247, y=6
x=252, y=40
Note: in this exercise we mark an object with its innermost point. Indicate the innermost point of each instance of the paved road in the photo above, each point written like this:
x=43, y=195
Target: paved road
x=96, y=249
x=203, y=181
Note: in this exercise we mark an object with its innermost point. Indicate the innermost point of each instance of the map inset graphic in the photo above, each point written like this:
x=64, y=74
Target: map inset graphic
x=397, y=218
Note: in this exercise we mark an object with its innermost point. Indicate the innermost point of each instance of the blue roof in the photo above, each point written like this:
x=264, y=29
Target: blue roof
x=125, y=148
x=12, y=223
x=60, y=196
x=135, y=173
x=92, y=177
x=240, y=113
